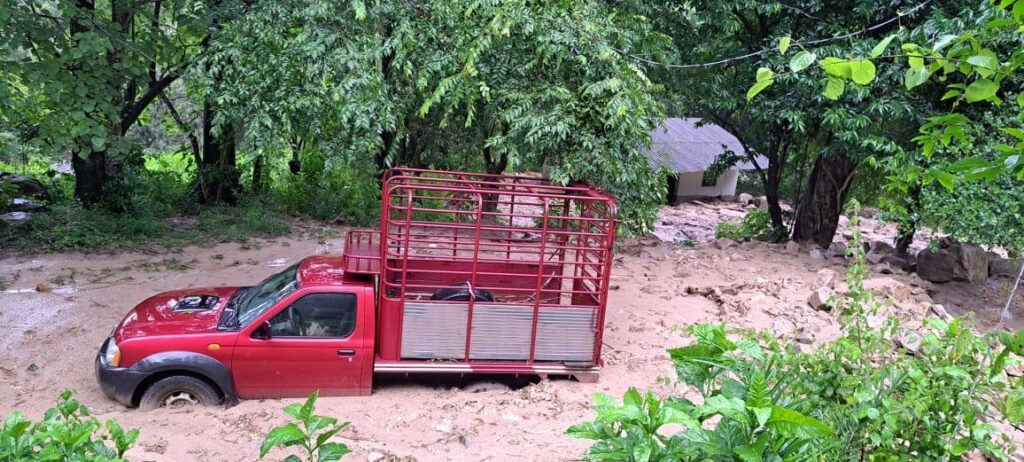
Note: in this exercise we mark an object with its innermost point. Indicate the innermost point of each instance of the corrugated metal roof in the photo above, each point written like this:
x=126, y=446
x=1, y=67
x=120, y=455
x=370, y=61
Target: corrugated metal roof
x=680, y=145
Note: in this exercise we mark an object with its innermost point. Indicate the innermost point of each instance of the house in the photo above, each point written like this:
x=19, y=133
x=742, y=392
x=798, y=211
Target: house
x=685, y=148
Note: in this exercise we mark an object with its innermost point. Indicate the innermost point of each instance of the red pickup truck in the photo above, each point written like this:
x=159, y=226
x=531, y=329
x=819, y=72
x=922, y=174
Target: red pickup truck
x=468, y=273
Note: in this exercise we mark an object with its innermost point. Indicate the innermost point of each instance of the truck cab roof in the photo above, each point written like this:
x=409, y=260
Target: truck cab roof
x=325, y=270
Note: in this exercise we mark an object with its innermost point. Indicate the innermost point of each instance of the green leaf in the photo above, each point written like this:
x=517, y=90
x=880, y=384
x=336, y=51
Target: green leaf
x=332, y=451
x=360, y=9
x=762, y=414
x=286, y=435
x=985, y=62
x=915, y=77
x=587, y=431
x=880, y=48
x=784, y=44
x=758, y=88
x=834, y=88
x=720, y=405
x=862, y=71
x=764, y=73
x=981, y=90
x=1013, y=406
x=802, y=60
x=836, y=67
x=792, y=424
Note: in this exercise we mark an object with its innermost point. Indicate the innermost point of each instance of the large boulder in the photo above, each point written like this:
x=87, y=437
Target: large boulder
x=954, y=262
x=25, y=186
x=1003, y=267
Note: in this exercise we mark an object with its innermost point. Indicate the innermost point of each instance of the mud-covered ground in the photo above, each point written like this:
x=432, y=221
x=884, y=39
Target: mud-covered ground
x=58, y=308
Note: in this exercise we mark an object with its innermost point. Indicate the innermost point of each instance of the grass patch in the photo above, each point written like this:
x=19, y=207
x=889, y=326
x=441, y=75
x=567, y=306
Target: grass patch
x=68, y=226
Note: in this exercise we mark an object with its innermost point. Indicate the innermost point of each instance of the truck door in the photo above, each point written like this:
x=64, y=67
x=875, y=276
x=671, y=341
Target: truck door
x=314, y=343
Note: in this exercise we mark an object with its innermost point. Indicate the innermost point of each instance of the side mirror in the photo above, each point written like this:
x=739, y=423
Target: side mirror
x=262, y=332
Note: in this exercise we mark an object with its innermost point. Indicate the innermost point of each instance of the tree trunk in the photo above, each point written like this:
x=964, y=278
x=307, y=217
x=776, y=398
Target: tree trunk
x=218, y=172
x=295, y=165
x=90, y=177
x=257, y=175
x=906, y=229
x=822, y=200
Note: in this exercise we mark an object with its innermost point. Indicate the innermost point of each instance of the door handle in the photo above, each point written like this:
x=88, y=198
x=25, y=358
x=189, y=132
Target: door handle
x=346, y=352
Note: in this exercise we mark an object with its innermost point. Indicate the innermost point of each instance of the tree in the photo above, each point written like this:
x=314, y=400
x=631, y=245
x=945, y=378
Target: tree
x=720, y=44
x=459, y=85
x=94, y=68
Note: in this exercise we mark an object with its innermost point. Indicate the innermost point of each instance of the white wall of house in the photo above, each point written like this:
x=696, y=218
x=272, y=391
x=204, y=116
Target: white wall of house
x=689, y=185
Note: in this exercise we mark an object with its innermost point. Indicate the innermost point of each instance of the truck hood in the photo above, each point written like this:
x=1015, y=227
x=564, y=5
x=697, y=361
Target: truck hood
x=165, y=314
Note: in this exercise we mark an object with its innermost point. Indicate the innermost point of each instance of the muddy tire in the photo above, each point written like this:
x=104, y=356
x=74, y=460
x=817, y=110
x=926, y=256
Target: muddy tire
x=179, y=391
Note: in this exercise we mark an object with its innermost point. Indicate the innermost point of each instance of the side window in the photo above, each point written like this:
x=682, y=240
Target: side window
x=317, y=315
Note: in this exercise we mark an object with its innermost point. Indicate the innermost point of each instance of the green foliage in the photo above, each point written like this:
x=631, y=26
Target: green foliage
x=879, y=392
x=327, y=191
x=755, y=225
x=311, y=433
x=68, y=432
x=983, y=213
x=744, y=414
x=69, y=226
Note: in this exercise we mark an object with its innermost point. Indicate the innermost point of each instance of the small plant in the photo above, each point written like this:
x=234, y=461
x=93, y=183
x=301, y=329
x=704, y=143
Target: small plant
x=67, y=433
x=310, y=432
x=755, y=225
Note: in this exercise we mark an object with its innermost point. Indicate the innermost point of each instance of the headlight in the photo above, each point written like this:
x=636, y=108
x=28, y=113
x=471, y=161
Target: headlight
x=112, y=354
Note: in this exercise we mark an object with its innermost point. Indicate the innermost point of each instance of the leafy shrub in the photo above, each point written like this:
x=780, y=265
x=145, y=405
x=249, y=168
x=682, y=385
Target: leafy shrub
x=310, y=432
x=755, y=225
x=67, y=433
x=879, y=392
x=327, y=190
x=746, y=411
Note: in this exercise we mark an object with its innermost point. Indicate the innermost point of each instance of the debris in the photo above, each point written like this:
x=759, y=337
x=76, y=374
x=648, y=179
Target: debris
x=1003, y=267
x=745, y=199
x=826, y=278
x=444, y=426
x=725, y=243
x=941, y=312
x=819, y=298
x=816, y=254
x=374, y=457
x=888, y=287
x=792, y=247
x=32, y=367
x=278, y=262
x=956, y=262
x=43, y=287
x=783, y=327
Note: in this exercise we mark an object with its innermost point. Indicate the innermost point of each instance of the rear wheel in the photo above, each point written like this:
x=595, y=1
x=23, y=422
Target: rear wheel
x=179, y=391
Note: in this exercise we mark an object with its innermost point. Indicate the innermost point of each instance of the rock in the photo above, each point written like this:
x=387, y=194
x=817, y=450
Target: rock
x=444, y=426
x=888, y=287
x=805, y=338
x=14, y=219
x=26, y=186
x=837, y=249
x=725, y=243
x=817, y=254
x=745, y=198
x=487, y=386
x=819, y=298
x=762, y=202
x=792, y=247
x=910, y=341
x=941, y=312
x=843, y=221
x=43, y=287
x=826, y=278
x=751, y=245
x=957, y=262
x=648, y=240
x=20, y=204
x=1003, y=267
x=878, y=251
x=783, y=327
x=374, y=457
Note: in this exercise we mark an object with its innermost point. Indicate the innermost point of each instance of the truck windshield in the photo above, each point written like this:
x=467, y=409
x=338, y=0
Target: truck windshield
x=267, y=293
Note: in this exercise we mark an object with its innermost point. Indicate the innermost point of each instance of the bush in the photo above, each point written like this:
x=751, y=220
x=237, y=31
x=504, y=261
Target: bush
x=879, y=392
x=67, y=433
x=755, y=225
x=327, y=190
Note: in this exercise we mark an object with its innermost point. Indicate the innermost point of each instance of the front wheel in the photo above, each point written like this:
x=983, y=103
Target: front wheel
x=179, y=391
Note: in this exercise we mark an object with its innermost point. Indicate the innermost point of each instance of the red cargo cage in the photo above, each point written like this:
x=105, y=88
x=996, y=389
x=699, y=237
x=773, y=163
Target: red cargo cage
x=501, y=273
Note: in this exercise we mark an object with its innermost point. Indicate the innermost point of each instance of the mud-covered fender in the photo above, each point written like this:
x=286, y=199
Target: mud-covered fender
x=190, y=361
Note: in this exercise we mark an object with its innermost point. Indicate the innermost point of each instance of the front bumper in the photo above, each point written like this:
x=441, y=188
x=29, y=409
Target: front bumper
x=118, y=383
